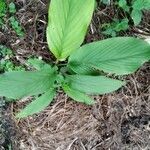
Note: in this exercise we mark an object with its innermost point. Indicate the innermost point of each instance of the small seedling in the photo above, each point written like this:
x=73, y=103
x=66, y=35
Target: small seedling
x=5, y=60
x=136, y=8
x=2, y=8
x=11, y=10
x=80, y=75
x=115, y=27
x=2, y=13
x=4, y=51
x=106, y=2
x=14, y=22
x=16, y=26
x=133, y=9
x=123, y=4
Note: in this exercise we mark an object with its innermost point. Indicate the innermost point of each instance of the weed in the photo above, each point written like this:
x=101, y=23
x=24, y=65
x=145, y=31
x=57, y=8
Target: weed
x=5, y=51
x=11, y=10
x=106, y=2
x=82, y=75
x=3, y=10
x=16, y=26
x=133, y=9
x=112, y=29
x=6, y=63
x=137, y=7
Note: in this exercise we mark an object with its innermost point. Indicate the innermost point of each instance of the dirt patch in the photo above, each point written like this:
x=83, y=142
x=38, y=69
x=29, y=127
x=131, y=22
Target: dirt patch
x=8, y=130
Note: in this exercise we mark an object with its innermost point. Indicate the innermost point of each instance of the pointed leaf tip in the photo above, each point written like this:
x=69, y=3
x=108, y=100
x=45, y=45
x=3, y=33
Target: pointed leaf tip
x=120, y=55
x=37, y=105
x=77, y=95
x=93, y=84
x=67, y=25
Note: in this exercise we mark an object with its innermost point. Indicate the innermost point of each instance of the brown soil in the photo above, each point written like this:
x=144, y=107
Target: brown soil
x=118, y=121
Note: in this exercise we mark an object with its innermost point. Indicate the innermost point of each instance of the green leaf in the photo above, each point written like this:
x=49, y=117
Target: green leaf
x=122, y=25
x=141, y=4
x=106, y=2
x=93, y=84
x=12, y=7
x=77, y=95
x=136, y=16
x=2, y=8
x=67, y=25
x=110, y=31
x=138, y=6
x=123, y=4
x=121, y=55
x=38, y=104
x=38, y=64
x=146, y=4
x=19, y=84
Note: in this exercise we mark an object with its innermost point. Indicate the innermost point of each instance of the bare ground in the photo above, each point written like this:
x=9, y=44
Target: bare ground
x=118, y=121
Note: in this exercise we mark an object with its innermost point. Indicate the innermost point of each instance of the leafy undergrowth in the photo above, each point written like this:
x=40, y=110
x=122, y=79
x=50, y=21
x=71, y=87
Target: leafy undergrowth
x=117, y=121
x=6, y=61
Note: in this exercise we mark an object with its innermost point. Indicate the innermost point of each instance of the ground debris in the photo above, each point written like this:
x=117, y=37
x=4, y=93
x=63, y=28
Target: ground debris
x=8, y=138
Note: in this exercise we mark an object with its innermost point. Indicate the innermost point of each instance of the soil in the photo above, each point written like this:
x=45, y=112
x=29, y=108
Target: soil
x=118, y=121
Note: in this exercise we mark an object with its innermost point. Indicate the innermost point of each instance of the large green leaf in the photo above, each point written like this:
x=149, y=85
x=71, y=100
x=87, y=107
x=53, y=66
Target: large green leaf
x=38, y=104
x=67, y=25
x=121, y=55
x=93, y=84
x=20, y=84
x=77, y=95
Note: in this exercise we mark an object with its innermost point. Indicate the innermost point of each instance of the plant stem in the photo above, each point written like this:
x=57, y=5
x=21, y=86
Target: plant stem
x=57, y=61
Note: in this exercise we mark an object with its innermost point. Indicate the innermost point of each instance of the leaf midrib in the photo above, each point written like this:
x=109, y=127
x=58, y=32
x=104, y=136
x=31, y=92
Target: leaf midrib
x=64, y=31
